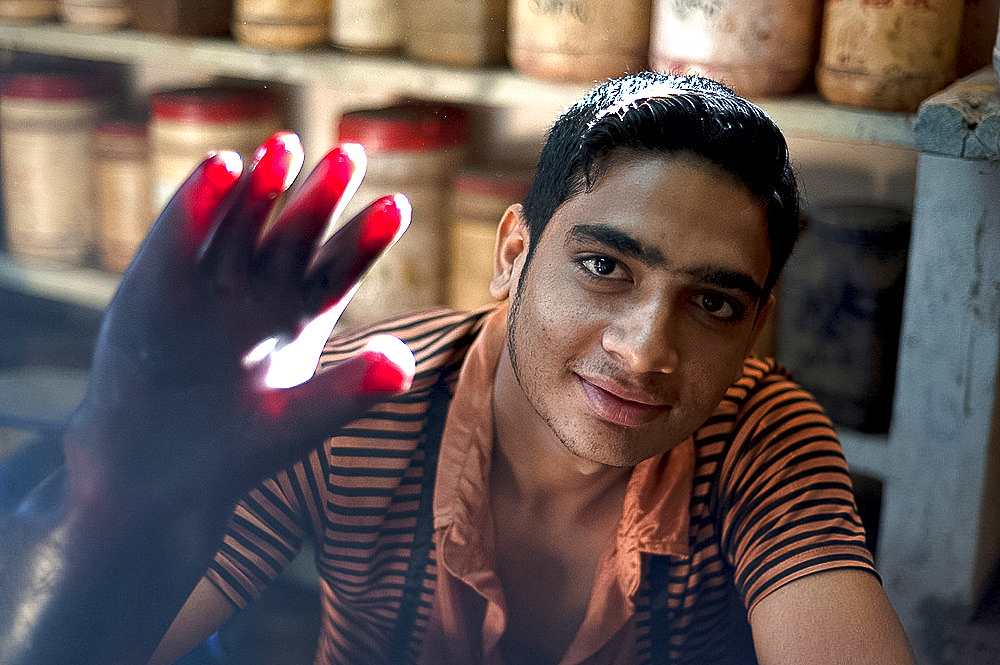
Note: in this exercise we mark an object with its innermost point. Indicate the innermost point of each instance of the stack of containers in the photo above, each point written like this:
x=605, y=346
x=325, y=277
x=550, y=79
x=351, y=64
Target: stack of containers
x=121, y=157
x=480, y=197
x=45, y=125
x=414, y=149
x=187, y=124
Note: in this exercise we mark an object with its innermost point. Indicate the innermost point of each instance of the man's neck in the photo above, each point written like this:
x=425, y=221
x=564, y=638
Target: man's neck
x=533, y=467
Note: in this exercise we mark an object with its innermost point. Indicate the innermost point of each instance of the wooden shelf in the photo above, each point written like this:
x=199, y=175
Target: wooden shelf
x=499, y=87
x=79, y=286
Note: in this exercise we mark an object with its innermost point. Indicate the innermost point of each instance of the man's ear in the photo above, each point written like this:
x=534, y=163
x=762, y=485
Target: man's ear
x=509, y=252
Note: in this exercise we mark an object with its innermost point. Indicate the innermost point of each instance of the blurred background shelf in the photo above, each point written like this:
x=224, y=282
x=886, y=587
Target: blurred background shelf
x=365, y=74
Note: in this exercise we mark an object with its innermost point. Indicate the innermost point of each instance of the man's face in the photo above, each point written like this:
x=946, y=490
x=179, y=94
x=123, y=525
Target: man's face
x=638, y=307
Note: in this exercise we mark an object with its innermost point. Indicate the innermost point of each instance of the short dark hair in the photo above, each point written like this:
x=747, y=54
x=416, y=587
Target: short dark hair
x=668, y=113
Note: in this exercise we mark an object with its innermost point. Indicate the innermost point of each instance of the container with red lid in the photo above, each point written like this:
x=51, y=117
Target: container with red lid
x=45, y=126
x=121, y=170
x=414, y=149
x=480, y=196
x=188, y=124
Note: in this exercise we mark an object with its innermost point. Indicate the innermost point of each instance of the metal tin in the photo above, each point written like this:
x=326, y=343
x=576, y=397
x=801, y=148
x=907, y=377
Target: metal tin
x=840, y=310
x=187, y=124
x=414, y=149
x=761, y=48
x=45, y=126
x=582, y=41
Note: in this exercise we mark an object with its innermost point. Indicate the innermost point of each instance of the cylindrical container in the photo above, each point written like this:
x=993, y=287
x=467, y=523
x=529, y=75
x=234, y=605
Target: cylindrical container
x=460, y=33
x=28, y=11
x=187, y=124
x=888, y=55
x=479, y=198
x=281, y=25
x=840, y=311
x=996, y=51
x=414, y=149
x=581, y=41
x=121, y=169
x=978, y=34
x=94, y=15
x=760, y=48
x=45, y=126
x=367, y=26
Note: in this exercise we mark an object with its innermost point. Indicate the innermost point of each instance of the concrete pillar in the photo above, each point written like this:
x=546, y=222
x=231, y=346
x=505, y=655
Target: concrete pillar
x=940, y=528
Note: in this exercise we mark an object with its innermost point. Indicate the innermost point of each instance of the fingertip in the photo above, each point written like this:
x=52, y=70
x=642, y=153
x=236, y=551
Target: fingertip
x=386, y=221
x=277, y=162
x=390, y=365
x=208, y=187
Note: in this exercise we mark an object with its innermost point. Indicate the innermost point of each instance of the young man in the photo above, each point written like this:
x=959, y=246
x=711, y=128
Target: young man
x=592, y=473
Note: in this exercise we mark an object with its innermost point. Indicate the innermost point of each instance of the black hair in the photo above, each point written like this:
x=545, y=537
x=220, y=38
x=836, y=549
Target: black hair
x=670, y=114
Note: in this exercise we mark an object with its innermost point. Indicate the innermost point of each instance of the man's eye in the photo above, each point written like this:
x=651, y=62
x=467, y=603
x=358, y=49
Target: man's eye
x=600, y=266
x=718, y=306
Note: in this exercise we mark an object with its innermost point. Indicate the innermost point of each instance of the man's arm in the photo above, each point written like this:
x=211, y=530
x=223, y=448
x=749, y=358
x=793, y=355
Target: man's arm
x=829, y=618
x=200, y=387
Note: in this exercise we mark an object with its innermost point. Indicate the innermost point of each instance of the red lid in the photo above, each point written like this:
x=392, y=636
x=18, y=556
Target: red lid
x=46, y=86
x=211, y=104
x=408, y=126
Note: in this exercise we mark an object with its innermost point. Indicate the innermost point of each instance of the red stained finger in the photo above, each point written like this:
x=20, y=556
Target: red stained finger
x=343, y=259
x=384, y=367
x=202, y=194
x=289, y=244
x=234, y=240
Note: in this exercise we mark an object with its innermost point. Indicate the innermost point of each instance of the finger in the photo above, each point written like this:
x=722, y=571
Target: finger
x=289, y=243
x=189, y=216
x=232, y=243
x=342, y=392
x=343, y=259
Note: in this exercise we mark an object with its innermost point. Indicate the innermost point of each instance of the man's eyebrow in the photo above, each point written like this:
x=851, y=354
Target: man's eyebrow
x=731, y=280
x=619, y=241
x=652, y=257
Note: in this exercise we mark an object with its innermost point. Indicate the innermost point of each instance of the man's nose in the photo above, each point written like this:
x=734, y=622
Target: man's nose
x=643, y=338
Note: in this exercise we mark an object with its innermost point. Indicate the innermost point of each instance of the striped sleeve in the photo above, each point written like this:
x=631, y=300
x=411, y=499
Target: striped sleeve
x=786, y=502
x=356, y=488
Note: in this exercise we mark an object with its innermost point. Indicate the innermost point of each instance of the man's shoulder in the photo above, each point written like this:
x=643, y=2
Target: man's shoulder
x=764, y=400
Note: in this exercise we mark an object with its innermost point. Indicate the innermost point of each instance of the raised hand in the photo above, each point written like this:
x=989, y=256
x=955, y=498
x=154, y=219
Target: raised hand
x=208, y=347
x=202, y=384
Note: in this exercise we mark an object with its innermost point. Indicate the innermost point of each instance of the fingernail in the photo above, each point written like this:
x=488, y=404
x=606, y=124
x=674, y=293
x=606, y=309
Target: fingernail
x=385, y=222
x=390, y=365
x=219, y=174
x=276, y=164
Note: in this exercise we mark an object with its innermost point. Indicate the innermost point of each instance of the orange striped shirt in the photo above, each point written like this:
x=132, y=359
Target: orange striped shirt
x=758, y=496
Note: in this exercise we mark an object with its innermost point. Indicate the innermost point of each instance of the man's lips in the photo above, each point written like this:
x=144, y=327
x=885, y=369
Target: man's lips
x=618, y=408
